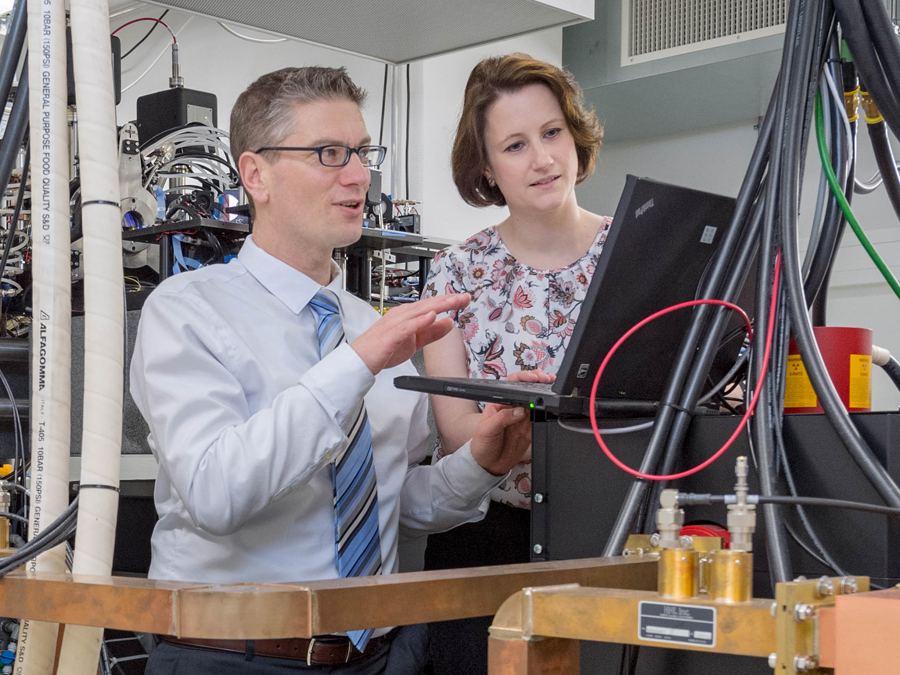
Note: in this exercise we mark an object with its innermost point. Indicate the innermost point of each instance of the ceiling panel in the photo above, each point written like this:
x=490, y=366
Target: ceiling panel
x=394, y=31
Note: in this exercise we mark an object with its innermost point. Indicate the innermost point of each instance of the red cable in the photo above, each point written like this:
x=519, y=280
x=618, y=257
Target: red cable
x=762, y=377
x=147, y=18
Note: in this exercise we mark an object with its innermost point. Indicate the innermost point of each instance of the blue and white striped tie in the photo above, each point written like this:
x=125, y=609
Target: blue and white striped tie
x=357, y=544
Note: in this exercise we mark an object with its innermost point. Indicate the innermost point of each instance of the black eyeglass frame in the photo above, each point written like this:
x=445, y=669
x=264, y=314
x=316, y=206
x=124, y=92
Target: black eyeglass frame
x=382, y=152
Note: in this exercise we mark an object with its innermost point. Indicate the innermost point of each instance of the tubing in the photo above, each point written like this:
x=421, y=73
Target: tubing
x=859, y=450
x=12, y=49
x=638, y=491
x=845, y=205
x=886, y=164
x=104, y=317
x=51, y=366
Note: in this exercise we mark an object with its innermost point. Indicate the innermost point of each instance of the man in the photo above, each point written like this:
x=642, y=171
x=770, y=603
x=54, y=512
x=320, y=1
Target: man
x=285, y=453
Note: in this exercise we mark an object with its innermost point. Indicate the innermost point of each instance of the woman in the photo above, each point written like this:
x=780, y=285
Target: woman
x=525, y=141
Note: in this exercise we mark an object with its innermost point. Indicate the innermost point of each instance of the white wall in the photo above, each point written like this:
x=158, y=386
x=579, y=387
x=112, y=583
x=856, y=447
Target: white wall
x=447, y=215
x=212, y=60
x=715, y=160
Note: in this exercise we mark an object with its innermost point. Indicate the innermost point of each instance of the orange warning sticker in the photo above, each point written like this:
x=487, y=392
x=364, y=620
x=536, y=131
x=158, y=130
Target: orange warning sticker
x=798, y=390
x=860, y=381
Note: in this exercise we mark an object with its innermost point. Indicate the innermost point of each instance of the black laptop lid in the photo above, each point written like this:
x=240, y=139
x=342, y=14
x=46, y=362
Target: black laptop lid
x=659, y=244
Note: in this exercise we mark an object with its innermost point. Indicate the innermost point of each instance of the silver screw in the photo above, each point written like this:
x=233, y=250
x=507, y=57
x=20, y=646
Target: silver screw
x=773, y=660
x=686, y=541
x=802, y=611
x=804, y=663
x=538, y=548
x=773, y=609
x=800, y=578
x=538, y=497
x=824, y=587
x=654, y=539
x=849, y=585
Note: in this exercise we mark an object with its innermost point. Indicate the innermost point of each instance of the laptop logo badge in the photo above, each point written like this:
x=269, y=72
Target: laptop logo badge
x=583, y=370
x=641, y=211
x=709, y=233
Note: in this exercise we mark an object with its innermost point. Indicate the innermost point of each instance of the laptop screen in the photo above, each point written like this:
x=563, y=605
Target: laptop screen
x=658, y=247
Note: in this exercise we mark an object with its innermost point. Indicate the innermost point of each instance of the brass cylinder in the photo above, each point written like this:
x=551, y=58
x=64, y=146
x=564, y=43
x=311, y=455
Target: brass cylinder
x=679, y=573
x=731, y=576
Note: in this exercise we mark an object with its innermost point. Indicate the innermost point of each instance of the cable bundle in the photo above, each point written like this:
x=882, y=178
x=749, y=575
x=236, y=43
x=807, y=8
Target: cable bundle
x=204, y=150
x=763, y=228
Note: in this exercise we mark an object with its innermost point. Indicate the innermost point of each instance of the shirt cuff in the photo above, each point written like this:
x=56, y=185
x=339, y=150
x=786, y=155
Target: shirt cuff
x=339, y=381
x=466, y=477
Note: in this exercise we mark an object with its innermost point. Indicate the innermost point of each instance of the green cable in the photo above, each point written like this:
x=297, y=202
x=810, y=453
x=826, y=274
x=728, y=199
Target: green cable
x=842, y=200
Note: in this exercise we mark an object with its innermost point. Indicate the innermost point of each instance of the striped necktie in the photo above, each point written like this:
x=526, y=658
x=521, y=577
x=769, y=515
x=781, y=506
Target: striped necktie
x=357, y=544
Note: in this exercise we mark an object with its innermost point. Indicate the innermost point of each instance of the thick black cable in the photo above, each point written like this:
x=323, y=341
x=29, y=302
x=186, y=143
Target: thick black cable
x=881, y=30
x=833, y=220
x=16, y=126
x=820, y=303
x=784, y=169
x=855, y=32
x=736, y=280
x=812, y=358
x=54, y=534
x=884, y=156
x=149, y=33
x=638, y=491
x=11, y=51
x=892, y=369
x=20, y=197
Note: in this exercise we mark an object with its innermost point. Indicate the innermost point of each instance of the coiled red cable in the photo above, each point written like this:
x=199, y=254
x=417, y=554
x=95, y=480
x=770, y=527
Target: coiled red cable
x=762, y=376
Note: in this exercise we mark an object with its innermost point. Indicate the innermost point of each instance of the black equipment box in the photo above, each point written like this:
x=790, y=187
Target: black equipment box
x=169, y=109
x=582, y=492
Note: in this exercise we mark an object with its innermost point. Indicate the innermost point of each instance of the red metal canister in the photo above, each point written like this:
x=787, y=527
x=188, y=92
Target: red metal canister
x=847, y=353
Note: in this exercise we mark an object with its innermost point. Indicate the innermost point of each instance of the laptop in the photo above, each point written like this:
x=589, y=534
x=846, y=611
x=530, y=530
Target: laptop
x=657, y=251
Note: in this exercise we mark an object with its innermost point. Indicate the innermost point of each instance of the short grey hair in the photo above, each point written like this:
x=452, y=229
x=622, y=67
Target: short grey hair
x=263, y=114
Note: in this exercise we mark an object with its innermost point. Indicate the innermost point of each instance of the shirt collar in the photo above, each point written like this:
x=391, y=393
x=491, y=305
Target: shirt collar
x=289, y=285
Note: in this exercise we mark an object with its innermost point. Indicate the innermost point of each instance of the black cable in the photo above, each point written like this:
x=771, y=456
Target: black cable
x=892, y=369
x=833, y=219
x=639, y=491
x=855, y=31
x=891, y=511
x=406, y=172
x=383, y=103
x=805, y=340
x=12, y=48
x=20, y=197
x=884, y=156
x=149, y=33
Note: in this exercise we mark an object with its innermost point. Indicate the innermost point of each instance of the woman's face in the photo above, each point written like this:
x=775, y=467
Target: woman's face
x=531, y=152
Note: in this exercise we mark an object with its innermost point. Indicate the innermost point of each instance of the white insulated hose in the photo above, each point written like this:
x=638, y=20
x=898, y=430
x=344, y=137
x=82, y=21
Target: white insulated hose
x=52, y=307
x=104, y=353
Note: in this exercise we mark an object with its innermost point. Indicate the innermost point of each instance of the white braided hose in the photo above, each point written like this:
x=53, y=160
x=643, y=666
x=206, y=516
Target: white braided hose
x=104, y=353
x=52, y=307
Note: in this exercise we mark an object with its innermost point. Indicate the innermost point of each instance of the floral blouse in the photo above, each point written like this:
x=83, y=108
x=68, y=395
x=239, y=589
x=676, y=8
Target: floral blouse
x=519, y=318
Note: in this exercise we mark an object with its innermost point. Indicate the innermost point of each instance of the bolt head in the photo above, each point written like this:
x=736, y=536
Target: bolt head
x=804, y=663
x=824, y=587
x=773, y=660
x=849, y=585
x=773, y=608
x=686, y=541
x=655, y=538
x=802, y=611
x=538, y=498
x=538, y=549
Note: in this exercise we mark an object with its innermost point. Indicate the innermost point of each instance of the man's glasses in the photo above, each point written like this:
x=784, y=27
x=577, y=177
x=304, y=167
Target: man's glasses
x=339, y=155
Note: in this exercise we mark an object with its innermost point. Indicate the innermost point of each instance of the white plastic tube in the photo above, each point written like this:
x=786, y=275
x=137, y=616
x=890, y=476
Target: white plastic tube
x=104, y=357
x=52, y=307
